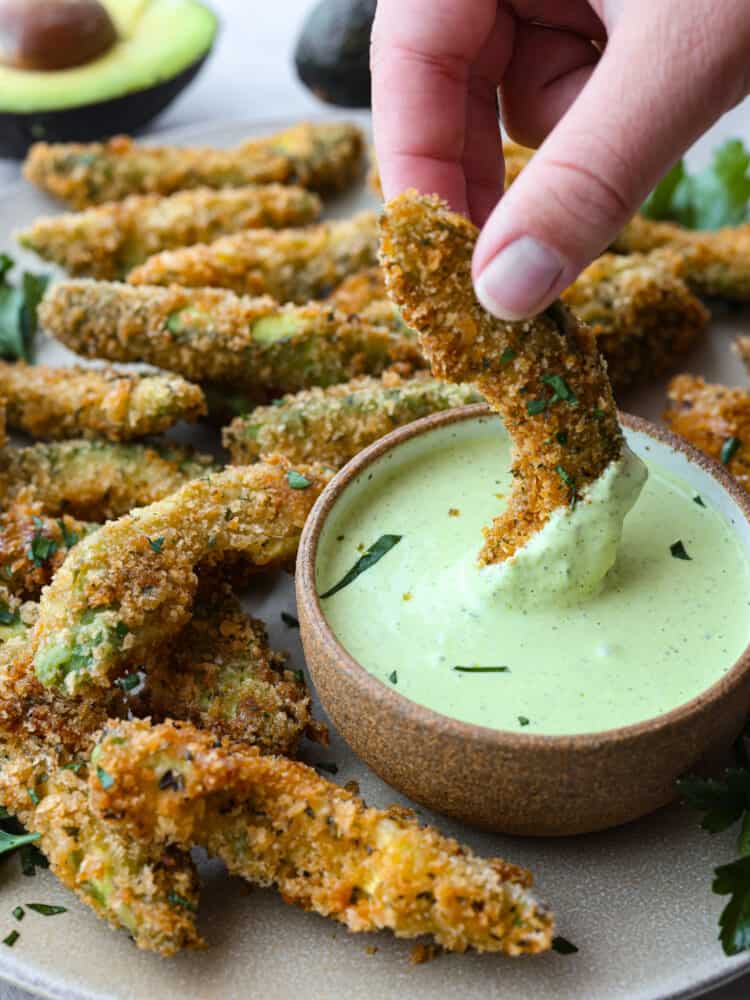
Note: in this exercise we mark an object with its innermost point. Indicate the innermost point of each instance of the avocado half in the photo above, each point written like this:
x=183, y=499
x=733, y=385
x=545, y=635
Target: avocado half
x=332, y=56
x=161, y=46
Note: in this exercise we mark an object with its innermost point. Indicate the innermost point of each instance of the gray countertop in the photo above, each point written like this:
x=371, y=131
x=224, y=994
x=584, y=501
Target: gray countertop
x=249, y=75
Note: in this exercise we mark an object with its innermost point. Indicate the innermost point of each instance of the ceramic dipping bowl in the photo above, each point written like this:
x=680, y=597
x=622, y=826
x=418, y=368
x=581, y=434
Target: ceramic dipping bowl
x=513, y=782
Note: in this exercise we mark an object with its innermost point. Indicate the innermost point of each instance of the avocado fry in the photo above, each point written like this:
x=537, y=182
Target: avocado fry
x=332, y=425
x=544, y=376
x=45, y=742
x=220, y=674
x=324, y=158
x=710, y=263
x=57, y=403
x=129, y=587
x=291, y=265
x=209, y=335
x=111, y=239
x=713, y=418
x=277, y=822
x=96, y=480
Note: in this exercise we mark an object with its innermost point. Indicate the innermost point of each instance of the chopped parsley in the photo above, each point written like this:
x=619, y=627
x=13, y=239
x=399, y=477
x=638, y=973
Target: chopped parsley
x=290, y=620
x=130, y=681
x=297, y=481
x=105, y=780
x=70, y=538
x=373, y=555
x=42, y=548
x=46, y=910
x=507, y=356
x=563, y=947
x=561, y=437
x=18, y=912
x=481, y=670
x=523, y=721
x=393, y=677
x=678, y=551
x=536, y=406
x=18, y=312
x=33, y=796
x=699, y=500
x=155, y=544
x=177, y=900
x=299, y=676
x=729, y=449
x=11, y=939
x=561, y=389
x=569, y=482
x=10, y=841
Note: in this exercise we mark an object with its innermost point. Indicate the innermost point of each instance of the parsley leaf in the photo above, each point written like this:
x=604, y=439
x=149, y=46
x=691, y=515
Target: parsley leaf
x=18, y=312
x=723, y=802
x=297, y=481
x=373, y=555
x=42, y=548
x=11, y=841
x=46, y=910
x=155, y=544
x=679, y=551
x=734, y=880
x=709, y=199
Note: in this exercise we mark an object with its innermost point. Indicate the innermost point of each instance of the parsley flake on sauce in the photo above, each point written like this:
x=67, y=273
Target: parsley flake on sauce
x=523, y=721
x=373, y=555
x=393, y=677
x=678, y=551
x=481, y=670
x=699, y=500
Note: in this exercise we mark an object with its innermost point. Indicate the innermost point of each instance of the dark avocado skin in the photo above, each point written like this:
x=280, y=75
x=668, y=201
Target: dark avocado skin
x=333, y=52
x=90, y=122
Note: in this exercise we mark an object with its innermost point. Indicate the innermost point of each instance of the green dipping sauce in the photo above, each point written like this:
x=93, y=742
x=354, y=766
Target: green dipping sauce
x=662, y=628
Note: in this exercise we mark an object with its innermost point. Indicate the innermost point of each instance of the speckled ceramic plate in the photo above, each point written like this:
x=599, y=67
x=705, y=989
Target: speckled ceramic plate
x=636, y=901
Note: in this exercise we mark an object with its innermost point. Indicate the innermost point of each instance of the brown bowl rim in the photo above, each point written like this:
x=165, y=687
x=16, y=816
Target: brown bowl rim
x=431, y=720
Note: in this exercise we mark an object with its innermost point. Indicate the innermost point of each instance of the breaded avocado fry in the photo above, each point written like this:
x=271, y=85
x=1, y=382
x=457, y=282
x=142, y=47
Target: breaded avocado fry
x=57, y=403
x=324, y=157
x=332, y=425
x=291, y=265
x=96, y=480
x=544, y=376
x=277, y=822
x=713, y=418
x=211, y=335
x=220, y=674
x=110, y=240
x=129, y=587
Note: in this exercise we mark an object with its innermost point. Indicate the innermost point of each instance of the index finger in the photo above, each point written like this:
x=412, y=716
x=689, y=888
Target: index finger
x=422, y=52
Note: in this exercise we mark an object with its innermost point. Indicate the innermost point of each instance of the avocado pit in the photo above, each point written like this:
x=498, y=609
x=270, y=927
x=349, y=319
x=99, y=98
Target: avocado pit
x=48, y=35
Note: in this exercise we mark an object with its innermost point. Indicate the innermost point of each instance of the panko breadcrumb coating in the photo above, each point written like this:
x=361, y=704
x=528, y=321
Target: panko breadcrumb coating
x=324, y=158
x=332, y=425
x=96, y=480
x=129, y=587
x=58, y=403
x=644, y=317
x=713, y=418
x=210, y=335
x=291, y=265
x=110, y=240
x=220, y=674
x=45, y=741
x=277, y=822
x=544, y=376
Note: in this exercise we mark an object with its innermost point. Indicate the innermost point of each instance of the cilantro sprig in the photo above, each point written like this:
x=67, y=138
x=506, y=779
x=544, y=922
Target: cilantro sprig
x=711, y=198
x=18, y=311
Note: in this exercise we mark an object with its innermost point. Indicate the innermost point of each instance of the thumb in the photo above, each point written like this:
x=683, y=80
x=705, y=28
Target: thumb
x=648, y=99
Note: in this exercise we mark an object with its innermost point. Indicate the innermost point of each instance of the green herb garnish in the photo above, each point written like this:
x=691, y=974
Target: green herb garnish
x=70, y=538
x=46, y=910
x=42, y=548
x=18, y=312
x=177, y=900
x=289, y=620
x=155, y=544
x=33, y=796
x=11, y=841
x=18, y=912
x=561, y=389
x=481, y=670
x=130, y=681
x=563, y=947
x=523, y=721
x=393, y=677
x=373, y=555
x=728, y=450
x=11, y=939
x=297, y=481
x=31, y=858
x=699, y=500
x=678, y=551
x=507, y=356
x=536, y=406
x=561, y=437
x=714, y=197
x=105, y=780
x=299, y=676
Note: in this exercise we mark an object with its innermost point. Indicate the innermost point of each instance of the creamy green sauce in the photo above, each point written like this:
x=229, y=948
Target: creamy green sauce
x=659, y=631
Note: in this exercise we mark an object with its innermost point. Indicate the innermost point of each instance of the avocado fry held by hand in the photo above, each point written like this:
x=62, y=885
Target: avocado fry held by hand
x=83, y=69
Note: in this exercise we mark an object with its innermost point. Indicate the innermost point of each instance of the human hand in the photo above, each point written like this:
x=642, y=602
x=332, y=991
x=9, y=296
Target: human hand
x=615, y=90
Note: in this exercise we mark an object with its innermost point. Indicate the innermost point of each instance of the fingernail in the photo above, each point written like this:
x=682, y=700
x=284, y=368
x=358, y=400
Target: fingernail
x=517, y=281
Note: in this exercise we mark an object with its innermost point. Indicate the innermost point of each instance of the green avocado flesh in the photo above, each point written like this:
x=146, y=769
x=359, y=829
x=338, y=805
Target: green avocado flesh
x=158, y=40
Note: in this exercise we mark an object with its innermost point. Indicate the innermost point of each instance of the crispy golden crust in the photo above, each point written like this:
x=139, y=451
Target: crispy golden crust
x=220, y=674
x=95, y=480
x=359, y=291
x=544, y=376
x=211, y=335
x=58, y=403
x=709, y=416
x=711, y=263
x=332, y=425
x=320, y=157
x=130, y=586
x=45, y=742
x=291, y=265
x=643, y=316
x=276, y=821
x=110, y=240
